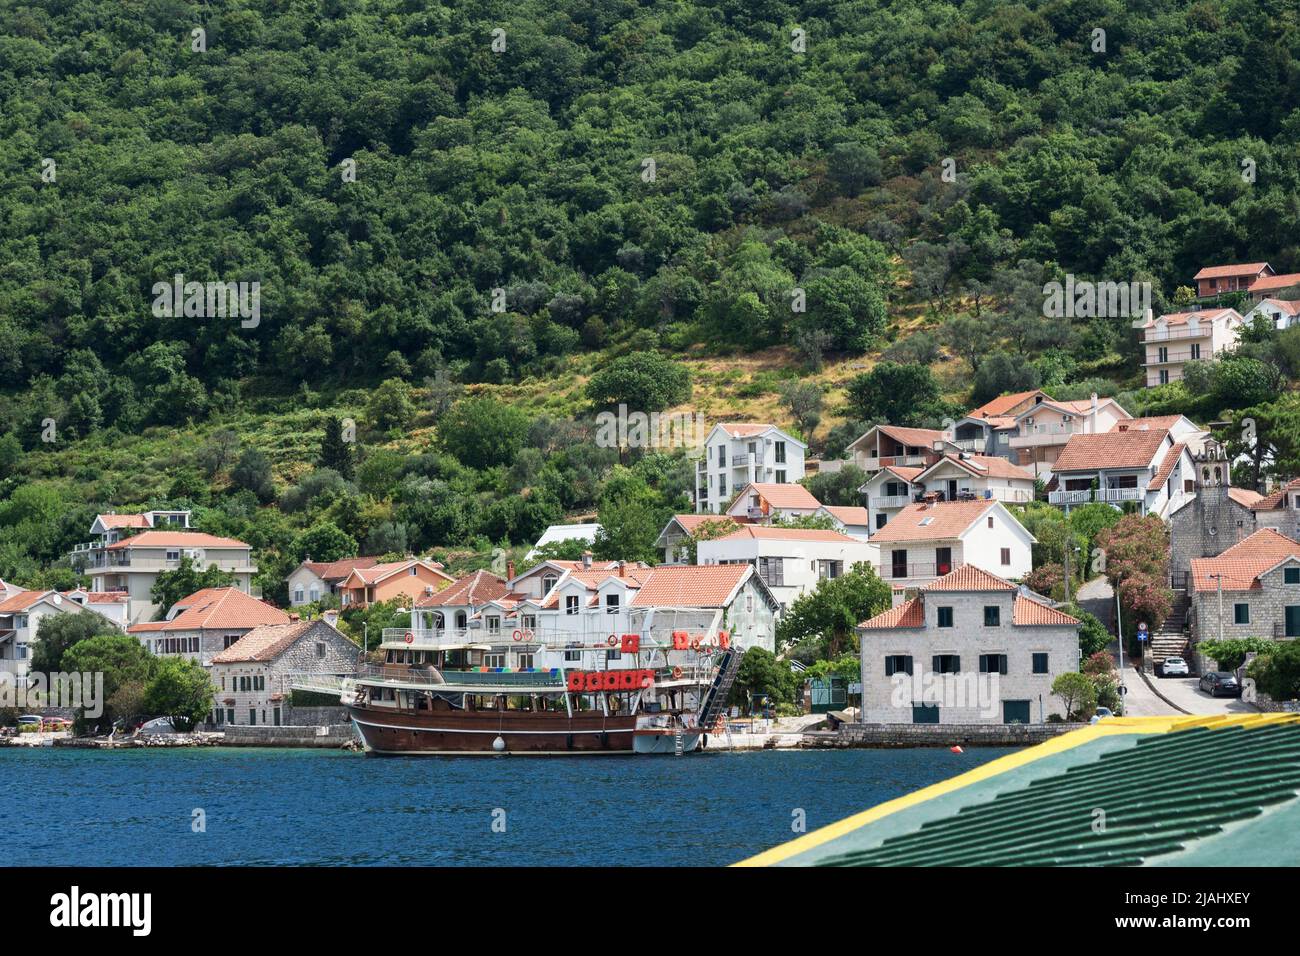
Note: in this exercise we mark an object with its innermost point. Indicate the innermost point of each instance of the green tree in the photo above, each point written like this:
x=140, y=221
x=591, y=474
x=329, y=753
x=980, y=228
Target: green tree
x=483, y=432
x=335, y=453
x=762, y=674
x=390, y=406
x=1230, y=653
x=893, y=393
x=825, y=619
x=252, y=472
x=181, y=690
x=324, y=542
x=631, y=516
x=123, y=661
x=643, y=381
x=58, y=632
x=1078, y=694
x=184, y=580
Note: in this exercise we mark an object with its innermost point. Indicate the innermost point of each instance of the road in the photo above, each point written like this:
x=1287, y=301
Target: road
x=1097, y=598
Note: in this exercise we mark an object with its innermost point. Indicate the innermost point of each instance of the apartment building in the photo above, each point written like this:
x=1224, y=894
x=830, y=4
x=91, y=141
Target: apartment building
x=790, y=561
x=737, y=454
x=1171, y=341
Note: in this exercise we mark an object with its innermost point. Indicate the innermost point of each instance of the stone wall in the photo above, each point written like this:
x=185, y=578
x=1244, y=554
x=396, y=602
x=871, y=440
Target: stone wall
x=940, y=735
x=334, y=736
x=316, y=716
x=1206, y=527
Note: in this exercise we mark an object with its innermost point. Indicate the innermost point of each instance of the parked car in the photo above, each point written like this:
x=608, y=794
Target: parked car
x=159, y=725
x=56, y=723
x=1100, y=714
x=1174, y=667
x=1220, y=684
x=30, y=720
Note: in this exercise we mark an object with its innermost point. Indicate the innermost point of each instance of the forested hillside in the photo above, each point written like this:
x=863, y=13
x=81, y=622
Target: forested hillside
x=640, y=179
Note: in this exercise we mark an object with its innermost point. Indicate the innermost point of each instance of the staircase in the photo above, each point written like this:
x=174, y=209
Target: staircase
x=1171, y=640
x=715, y=698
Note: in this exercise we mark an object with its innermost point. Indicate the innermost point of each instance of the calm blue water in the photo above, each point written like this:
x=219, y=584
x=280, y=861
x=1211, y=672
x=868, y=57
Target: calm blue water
x=304, y=807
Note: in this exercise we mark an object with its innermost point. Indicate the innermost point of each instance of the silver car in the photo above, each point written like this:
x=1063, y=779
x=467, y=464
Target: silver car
x=1174, y=667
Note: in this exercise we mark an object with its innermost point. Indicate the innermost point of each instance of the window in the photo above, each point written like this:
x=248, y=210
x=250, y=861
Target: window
x=525, y=661
x=780, y=476
x=993, y=663
x=898, y=563
x=992, y=615
x=494, y=624
x=315, y=594
x=1040, y=663
x=611, y=603
x=320, y=650
x=897, y=664
x=530, y=622
x=990, y=519
x=945, y=664
x=830, y=569
x=722, y=486
x=252, y=717
x=1164, y=376
x=1292, y=621
x=1291, y=575
x=942, y=558
x=780, y=453
x=571, y=656
x=772, y=571
x=494, y=660
x=1196, y=350
x=297, y=595
x=1241, y=614
x=613, y=654
x=571, y=604
x=925, y=713
x=1162, y=354
x=173, y=554
x=945, y=617
x=880, y=520
x=548, y=582
x=722, y=455
x=230, y=715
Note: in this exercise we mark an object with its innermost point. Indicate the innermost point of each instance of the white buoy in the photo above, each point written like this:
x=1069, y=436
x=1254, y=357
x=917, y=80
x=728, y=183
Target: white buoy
x=499, y=745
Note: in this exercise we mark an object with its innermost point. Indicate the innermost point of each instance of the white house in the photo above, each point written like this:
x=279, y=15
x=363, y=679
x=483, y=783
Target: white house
x=1171, y=341
x=111, y=604
x=1283, y=313
x=927, y=540
x=313, y=581
x=741, y=453
x=761, y=501
x=885, y=445
x=675, y=537
x=888, y=492
x=21, y=614
x=790, y=561
x=556, y=533
x=1146, y=466
x=954, y=477
x=969, y=648
x=1041, y=432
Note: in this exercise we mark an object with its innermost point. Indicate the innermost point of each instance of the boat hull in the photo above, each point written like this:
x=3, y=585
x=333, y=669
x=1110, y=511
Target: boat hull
x=389, y=732
x=644, y=743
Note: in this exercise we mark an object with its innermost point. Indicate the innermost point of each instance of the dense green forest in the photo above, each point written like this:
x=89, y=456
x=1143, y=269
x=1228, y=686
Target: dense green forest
x=474, y=223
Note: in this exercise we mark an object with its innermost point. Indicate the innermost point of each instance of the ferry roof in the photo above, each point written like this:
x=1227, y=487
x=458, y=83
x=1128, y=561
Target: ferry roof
x=1201, y=819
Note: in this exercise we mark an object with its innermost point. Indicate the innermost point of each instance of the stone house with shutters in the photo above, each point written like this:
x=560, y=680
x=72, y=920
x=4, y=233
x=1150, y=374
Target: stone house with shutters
x=969, y=648
x=1250, y=590
x=253, y=676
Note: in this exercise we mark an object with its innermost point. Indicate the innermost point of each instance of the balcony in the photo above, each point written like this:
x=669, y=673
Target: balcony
x=1120, y=494
x=1182, y=333
x=1054, y=434
x=914, y=570
x=1178, y=356
x=890, y=502
x=976, y=445
x=1080, y=497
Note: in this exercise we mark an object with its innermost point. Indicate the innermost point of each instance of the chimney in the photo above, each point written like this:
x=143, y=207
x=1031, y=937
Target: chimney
x=1092, y=417
x=331, y=617
x=622, y=567
x=293, y=618
x=510, y=570
x=586, y=559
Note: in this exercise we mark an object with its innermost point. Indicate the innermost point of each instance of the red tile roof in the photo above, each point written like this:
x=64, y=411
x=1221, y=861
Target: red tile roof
x=691, y=585
x=985, y=466
x=1245, y=497
x=1147, y=423
x=1167, y=467
x=264, y=643
x=1269, y=283
x=904, y=472
x=778, y=533
x=946, y=519
x=848, y=514
x=780, y=495
x=1028, y=612
x=1289, y=306
x=216, y=609
x=1243, y=563
x=378, y=572
x=1004, y=404
x=967, y=577
x=22, y=601
x=919, y=437
x=690, y=522
x=908, y=614
x=177, y=539
x=338, y=570
x=1088, y=452
x=1278, y=497
x=469, y=590
x=123, y=521
x=1181, y=318
x=1220, y=272
x=745, y=429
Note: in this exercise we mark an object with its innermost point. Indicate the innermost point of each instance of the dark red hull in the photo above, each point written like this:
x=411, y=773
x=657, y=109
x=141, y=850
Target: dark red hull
x=394, y=732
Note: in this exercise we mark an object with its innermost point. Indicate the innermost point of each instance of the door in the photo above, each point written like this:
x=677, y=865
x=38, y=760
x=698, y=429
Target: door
x=925, y=713
x=942, y=560
x=952, y=489
x=1015, y=711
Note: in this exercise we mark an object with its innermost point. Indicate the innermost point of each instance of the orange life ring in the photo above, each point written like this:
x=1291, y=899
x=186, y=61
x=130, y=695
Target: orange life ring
x=677, y=673
x=518, y=635
x=695, y=644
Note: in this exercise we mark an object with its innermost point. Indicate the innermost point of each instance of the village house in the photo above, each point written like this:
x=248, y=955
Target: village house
x=927, y=540
x=557, y=533
x=313, y=581
x=1283, y=313
x=1268, y=286
x=965, y=476
x=883, y=446
x=969, y=648
x=253, y=676
x=1145, y=468
x=1216, y=280
x=111, y=604
x=888, y=492
x=790, y=561
x=853, y=520
x=1250, y=590
x=205, y=623
x=1280, y=509
x=132, y=550
x=743, y=453
x=21, y=613
x=409, y=580
x=1171, y=341
x=706, y=601
x=674, y=540
x=1041, y=433
x=761, y=501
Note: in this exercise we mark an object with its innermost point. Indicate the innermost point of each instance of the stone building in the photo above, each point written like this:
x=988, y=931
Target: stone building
x=1216, y=518
x=1250, y=590
x=970, y=648
x=206, y=622
x=252, y=677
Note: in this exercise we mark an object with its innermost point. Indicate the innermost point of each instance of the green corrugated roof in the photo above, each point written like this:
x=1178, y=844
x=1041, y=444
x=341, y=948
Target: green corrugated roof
x=1133, y=791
